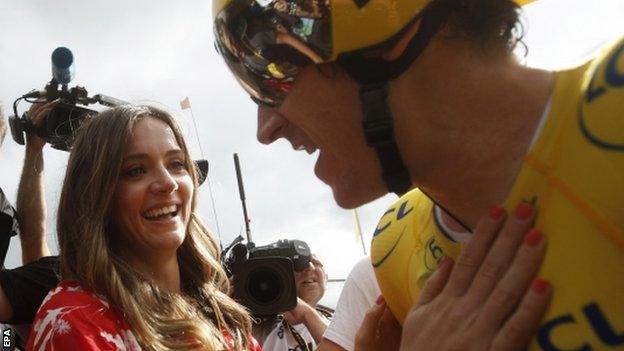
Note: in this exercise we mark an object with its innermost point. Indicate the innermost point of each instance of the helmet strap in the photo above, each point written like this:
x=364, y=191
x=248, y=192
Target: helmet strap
x=379, y=134
x=373, y=75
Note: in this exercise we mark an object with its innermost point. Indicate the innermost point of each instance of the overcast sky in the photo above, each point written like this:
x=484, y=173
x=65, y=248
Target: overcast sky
x=160, y=51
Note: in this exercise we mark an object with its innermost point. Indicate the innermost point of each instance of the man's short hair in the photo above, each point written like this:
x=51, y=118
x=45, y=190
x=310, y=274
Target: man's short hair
x=488, y=22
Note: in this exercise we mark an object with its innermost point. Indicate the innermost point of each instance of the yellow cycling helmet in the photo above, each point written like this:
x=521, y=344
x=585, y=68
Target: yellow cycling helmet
x=260, y=34
x=265, y=43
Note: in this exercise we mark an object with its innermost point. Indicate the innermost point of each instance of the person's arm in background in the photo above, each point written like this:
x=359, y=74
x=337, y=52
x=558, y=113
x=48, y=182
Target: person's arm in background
x=359, y=293
x=313, y=320
x=31, y=205
x=6, y=310
x=328, y=345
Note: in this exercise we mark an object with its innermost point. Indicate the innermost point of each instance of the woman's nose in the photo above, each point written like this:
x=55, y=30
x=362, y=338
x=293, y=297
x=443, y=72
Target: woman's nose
x=164, y=182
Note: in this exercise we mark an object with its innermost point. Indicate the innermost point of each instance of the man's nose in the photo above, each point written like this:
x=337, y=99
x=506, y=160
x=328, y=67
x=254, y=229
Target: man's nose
x=270, y=125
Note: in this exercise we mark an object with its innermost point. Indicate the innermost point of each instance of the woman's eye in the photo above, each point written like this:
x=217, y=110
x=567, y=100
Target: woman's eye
x=178, y=165
x=134, y=172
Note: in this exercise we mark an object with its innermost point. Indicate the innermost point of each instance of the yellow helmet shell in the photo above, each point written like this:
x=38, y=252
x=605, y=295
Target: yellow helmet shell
x=358, y=24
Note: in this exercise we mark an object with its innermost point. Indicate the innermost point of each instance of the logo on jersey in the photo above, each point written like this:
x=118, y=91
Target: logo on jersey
x=601, y=110
x=433, y=254
x=387, y=234
x=551, y=335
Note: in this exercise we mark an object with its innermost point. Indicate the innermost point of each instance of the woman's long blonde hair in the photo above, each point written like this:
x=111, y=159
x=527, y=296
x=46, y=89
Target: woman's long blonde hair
x=192, y=319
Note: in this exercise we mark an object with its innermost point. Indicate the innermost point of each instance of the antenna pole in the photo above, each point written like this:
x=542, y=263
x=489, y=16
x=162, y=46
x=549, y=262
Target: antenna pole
x=241, y=192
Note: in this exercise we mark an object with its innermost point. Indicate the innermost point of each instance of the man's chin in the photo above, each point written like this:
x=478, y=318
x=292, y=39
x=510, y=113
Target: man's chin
x=352, y=199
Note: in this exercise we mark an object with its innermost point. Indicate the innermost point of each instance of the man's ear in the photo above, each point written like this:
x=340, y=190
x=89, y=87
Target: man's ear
x=396, y=51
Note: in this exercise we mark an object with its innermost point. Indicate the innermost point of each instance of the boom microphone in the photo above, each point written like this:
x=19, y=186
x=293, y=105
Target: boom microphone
x=62, y=65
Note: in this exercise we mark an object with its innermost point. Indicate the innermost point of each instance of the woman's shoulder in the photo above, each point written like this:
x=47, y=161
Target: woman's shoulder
x=71, y=316
x=70, y=300
x=68, y=293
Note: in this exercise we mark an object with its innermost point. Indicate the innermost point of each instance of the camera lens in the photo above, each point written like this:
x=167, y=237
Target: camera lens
x=265, y=286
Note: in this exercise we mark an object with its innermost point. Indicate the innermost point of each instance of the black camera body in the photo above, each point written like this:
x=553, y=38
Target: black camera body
x=59, y=127
x=66, y=116
x=264, y=276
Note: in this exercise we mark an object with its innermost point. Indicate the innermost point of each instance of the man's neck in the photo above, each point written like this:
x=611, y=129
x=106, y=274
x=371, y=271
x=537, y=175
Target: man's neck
x=464, y=122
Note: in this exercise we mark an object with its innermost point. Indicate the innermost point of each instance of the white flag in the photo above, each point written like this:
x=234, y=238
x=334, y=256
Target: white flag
x=357, y=227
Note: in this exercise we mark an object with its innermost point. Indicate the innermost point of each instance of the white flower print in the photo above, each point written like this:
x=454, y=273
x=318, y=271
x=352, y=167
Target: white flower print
x=47, y=327
x=61, y=326
x=124, y=342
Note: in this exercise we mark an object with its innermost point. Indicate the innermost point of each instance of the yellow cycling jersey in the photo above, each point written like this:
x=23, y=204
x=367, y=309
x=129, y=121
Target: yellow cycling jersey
x=407, y=245
x=574, y=175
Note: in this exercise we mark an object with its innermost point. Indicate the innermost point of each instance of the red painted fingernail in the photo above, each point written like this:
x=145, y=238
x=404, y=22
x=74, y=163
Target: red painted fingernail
x=380, y=300
x=496, y=212
x=524, y=210
x=533, y=238
x=540, y=286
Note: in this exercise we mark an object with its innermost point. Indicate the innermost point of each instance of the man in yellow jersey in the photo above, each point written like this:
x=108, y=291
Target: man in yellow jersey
x=426, y=93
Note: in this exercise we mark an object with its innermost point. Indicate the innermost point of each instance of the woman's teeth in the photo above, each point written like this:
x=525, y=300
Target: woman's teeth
x=161, y=212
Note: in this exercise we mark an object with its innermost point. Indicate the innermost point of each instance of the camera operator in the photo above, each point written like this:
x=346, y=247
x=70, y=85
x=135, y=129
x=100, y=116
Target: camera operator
x=22, y=289
x=301, y=328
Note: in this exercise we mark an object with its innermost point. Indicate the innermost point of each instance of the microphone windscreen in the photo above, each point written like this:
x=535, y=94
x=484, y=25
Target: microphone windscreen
x=62, y=65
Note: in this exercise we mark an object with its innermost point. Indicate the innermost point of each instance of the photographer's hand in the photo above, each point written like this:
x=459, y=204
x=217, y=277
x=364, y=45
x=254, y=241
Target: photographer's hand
x=313, y=320
x=31, y=205
x=37, y=114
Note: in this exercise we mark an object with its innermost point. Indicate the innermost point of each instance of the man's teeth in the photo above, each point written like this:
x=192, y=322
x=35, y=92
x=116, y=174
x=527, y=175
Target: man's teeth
x=161, y=211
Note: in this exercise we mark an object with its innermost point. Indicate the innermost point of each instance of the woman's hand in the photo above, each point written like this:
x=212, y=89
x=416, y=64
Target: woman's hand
x=489, y=299
x=379, y=329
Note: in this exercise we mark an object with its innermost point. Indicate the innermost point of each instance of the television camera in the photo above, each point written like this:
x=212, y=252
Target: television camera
x=67, y=114
x=264, y=276
x=264, y=279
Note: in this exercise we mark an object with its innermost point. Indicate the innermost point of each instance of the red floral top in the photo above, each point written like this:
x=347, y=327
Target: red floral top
x=71, y=318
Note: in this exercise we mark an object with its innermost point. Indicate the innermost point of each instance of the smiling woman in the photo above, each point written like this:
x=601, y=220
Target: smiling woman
x=139, y=270
x=152, y=199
